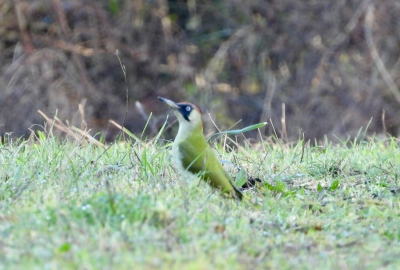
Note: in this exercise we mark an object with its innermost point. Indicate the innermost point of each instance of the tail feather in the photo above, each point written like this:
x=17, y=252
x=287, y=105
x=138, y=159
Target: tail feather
x=237, y=194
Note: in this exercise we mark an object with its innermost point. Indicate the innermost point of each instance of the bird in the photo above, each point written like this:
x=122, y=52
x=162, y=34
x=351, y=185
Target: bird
x=192, y=153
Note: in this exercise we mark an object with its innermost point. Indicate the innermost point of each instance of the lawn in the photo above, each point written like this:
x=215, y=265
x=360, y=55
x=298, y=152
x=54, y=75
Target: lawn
x=65, y=204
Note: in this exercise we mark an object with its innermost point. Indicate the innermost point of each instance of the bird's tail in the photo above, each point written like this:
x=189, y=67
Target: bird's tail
x=237, y=193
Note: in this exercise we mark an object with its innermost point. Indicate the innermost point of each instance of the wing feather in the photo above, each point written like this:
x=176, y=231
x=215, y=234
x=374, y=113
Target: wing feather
x=198, y=163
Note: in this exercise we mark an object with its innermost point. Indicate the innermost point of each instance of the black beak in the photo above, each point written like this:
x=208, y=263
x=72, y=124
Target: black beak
x=170, y=103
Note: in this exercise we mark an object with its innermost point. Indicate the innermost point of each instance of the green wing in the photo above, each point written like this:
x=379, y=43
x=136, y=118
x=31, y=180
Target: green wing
x=206, y=164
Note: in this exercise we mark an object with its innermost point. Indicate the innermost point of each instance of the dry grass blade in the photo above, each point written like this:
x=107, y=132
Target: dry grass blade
x=127, y=132
x=71, y=131
x=87, y=136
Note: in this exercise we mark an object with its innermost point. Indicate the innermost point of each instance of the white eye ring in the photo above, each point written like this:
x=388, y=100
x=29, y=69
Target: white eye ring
x=188, y=108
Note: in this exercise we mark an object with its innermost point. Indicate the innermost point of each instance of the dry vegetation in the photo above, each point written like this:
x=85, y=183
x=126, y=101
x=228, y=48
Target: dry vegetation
x=333, y=64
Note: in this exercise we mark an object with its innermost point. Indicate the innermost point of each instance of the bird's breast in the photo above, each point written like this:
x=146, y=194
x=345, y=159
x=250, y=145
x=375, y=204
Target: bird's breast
x=178, y=160
x=177, y=156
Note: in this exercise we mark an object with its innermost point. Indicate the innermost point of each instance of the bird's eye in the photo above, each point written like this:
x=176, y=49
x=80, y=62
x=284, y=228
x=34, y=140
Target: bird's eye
x=188, y=108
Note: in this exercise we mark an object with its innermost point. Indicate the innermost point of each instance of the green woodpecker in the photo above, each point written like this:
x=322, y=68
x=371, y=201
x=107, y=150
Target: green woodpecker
x=192, y=153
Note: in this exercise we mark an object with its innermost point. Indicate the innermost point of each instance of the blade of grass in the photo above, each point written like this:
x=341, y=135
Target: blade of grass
x=238, y=131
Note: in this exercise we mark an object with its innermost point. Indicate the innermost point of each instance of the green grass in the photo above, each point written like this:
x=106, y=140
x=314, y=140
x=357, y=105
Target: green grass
x=68, y=206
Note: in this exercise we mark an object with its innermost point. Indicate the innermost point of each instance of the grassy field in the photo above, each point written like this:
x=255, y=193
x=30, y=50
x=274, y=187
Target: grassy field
x=65, y=205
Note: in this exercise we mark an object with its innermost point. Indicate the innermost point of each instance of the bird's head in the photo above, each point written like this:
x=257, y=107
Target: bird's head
x=188, y=114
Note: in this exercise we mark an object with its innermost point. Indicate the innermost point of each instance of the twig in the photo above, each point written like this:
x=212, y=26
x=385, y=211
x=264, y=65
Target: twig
x=383, y=121
x=375, y=55
x=266, y=112
x=276, y=135
x=212, y=121
x=340, y=38
x=218, y=61
x=126, y=92
x=302, y=149
x=81, y=107
x=283, y=122
x=126, y=104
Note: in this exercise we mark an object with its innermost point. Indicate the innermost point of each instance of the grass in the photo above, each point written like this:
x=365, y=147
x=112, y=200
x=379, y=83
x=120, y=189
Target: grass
x=64, y=205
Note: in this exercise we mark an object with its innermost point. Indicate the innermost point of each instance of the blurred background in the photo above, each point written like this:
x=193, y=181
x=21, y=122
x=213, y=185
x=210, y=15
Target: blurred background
x=318, y=67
